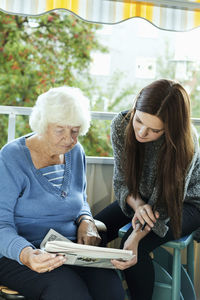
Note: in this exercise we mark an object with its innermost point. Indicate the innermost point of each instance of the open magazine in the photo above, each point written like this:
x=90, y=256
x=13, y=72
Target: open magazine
x=83, y=255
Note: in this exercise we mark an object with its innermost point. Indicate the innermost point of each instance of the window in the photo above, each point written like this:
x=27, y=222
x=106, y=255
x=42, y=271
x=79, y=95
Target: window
x=145, y=67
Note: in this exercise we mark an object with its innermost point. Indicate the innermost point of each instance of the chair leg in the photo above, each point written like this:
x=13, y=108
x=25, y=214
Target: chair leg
x=176, y=275
x=121, y=276
x=190, y=260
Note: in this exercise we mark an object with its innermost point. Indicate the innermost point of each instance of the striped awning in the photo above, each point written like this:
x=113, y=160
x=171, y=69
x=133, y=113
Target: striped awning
x=173, y=15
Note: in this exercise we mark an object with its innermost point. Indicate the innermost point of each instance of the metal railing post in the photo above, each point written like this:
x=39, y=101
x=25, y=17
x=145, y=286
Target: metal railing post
x=11, y=126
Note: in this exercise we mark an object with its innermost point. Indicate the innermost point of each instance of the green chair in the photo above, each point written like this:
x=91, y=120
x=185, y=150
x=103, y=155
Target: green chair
x=8, y=294
x=173, y=281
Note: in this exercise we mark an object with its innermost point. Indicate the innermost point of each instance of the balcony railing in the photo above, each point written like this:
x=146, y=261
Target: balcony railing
x=13, y=111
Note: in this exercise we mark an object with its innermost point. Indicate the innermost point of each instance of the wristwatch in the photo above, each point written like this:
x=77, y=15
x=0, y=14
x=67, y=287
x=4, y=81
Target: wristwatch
x=79, y=220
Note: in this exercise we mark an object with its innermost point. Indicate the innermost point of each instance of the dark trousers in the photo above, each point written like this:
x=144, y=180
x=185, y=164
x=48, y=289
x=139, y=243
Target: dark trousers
x=63, y=283
x=140, y=278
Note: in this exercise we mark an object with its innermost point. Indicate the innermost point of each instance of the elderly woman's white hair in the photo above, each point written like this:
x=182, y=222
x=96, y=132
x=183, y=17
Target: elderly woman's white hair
x=62, y=105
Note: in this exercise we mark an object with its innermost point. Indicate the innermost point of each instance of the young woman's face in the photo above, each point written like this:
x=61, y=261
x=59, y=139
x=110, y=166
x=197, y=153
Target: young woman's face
x=147, y=127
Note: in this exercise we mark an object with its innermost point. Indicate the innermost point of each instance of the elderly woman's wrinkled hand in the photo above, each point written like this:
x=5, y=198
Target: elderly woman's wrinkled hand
x=88, y=234
x=40, y=261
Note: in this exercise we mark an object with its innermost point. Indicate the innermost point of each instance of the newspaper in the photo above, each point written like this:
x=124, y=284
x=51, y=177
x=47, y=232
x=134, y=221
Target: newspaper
x=83, y=255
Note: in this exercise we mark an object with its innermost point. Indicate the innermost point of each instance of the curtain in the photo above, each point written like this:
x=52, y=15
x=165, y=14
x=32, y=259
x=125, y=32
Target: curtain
x=173, y=15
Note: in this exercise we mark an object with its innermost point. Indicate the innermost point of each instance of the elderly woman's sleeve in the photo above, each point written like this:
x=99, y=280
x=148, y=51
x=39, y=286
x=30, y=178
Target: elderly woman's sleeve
x=10, y=187
x=85, y=210
x=118, y=127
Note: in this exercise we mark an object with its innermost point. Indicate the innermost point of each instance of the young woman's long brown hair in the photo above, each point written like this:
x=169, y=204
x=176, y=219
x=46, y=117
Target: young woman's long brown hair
x=170, y=102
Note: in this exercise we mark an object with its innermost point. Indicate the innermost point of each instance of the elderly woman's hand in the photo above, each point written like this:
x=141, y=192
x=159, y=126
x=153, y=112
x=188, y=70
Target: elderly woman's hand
x=40, y=261
x=88, y=234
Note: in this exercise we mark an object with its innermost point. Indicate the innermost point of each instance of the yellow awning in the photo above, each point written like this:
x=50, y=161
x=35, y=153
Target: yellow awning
x=170, y=15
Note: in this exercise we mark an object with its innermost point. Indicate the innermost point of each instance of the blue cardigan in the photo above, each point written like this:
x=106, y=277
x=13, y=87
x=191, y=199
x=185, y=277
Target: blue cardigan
x=30, y=205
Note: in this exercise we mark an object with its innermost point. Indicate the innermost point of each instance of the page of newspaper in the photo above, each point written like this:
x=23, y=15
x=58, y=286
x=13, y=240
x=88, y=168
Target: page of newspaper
x=83, y=255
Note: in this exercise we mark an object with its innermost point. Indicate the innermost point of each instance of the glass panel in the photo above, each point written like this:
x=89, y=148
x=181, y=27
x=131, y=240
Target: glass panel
x=110, y=63
x=140, y=53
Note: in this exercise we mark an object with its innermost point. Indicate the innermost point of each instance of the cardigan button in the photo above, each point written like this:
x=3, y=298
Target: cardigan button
x=63, y=194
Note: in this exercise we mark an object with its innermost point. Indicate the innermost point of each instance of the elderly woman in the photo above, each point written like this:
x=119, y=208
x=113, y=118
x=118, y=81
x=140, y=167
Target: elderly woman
x=43, y=186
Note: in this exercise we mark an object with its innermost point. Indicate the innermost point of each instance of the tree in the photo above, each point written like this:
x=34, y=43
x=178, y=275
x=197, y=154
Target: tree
x=47, y=51
x=37, y=53
x=109, y=99
x=42, y=52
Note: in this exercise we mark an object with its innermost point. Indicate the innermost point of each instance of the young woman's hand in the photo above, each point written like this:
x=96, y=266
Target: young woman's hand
x=144, y=214
x=130, y=244
x=88, y=234
x=40, y=261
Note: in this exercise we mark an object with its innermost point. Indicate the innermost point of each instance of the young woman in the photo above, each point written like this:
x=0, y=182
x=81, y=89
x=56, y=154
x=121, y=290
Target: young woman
x=156, y=178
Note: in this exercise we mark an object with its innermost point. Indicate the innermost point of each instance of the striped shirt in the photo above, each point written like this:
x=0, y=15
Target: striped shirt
x=54, y=174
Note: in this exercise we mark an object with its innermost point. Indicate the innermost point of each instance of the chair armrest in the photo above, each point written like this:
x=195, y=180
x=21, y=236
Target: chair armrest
x=100, y=225
x=8, y=294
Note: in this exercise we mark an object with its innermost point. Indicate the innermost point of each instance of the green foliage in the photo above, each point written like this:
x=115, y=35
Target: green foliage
x=3, y=129
x=39, y=53
x=97, y=140
x=109, y=99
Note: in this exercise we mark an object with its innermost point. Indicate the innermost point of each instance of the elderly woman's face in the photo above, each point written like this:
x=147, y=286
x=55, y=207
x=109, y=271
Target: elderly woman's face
x=61, y=139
